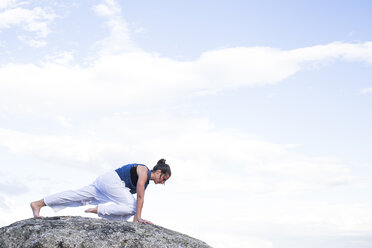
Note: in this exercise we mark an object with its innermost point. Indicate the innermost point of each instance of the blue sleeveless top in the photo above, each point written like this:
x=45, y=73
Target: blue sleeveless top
x=124, y=174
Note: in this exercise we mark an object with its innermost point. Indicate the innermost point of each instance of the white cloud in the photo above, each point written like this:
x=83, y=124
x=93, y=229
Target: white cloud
x=13, y=188
x=4, y=203
x=37, y=43
x=61, y=150
x=366, y=91
x=140, y=30
x=31, y=20
x=234, y=240
x=35, y=21
x=119, y=38
x=61, y=58
x=65, y=122
x=132, y=137
x=121, y=79
x=108, y=8
x=7, y=3
x=32, y=42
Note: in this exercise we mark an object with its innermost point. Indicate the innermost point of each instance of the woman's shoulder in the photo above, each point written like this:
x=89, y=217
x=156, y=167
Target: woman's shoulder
x=131, y=166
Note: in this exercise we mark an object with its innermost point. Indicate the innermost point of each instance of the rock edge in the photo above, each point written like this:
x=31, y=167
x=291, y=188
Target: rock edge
x=83, y=232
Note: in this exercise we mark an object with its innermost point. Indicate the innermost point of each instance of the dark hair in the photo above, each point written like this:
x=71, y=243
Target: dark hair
x=161, y=165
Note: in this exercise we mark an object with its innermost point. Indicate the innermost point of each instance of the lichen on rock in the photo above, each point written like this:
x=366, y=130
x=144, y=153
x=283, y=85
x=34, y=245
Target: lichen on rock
x=82, y=232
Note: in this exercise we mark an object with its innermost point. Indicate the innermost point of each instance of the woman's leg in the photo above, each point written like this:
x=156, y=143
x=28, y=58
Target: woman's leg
x=122, y=203
x=72, y=198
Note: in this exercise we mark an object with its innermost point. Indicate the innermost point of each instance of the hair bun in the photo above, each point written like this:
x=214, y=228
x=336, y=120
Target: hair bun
x=163, y=167
x=161, y=161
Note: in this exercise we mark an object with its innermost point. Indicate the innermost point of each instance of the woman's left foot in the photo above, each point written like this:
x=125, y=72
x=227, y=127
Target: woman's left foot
x=36, y=206
x=92, y=210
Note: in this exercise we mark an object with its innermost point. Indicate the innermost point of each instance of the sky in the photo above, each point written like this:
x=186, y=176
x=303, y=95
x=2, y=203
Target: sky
x=261, y=108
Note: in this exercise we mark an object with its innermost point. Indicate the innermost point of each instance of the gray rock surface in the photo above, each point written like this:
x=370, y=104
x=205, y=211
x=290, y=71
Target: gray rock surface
x=81, y=232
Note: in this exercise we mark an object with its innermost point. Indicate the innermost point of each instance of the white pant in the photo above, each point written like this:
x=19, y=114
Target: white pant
x=108, y=191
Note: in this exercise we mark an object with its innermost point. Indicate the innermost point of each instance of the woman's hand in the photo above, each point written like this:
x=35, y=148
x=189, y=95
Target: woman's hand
x=145, y=221
x=139, y=220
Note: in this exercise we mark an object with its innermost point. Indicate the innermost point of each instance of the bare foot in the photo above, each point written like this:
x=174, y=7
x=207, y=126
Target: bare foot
x=92, y=210
x=36, y=206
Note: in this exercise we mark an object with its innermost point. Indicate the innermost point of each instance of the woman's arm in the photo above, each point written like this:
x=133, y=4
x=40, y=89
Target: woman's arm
x=142, y=173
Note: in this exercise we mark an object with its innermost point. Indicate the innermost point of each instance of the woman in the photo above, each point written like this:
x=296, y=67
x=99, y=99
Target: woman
x=111, y=192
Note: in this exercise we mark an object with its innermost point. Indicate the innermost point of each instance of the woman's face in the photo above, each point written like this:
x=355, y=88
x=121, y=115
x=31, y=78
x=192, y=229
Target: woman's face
x=161, y=178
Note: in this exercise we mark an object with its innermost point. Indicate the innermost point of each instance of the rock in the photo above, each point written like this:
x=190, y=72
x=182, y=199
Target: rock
x=82, y=232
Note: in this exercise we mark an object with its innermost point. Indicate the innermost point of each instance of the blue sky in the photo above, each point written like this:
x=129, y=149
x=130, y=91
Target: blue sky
x=261, y=108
